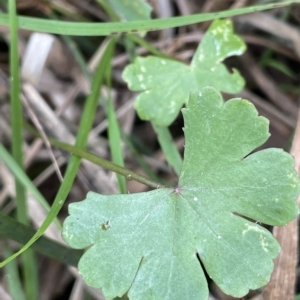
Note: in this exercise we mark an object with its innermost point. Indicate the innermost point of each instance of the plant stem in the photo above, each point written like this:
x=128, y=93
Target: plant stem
x=130, y=175
x=168, y=147
x=143, y=43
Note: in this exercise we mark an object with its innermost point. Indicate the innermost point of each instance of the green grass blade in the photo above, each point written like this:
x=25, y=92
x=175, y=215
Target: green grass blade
x=97, y=29
x=168, y=147
x=23, y=179
x=30, y=274
x=279, y=66
x=71, y=172
x=114, y=135
x=21, y=233
x=16, y=111
x=13, y=278
x=28, y=259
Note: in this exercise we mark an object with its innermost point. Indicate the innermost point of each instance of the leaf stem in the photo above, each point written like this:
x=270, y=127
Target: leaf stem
x=129, y=174
x=168, y=147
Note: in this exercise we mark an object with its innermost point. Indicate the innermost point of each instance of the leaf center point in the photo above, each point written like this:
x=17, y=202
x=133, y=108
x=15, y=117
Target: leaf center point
x=177, y=190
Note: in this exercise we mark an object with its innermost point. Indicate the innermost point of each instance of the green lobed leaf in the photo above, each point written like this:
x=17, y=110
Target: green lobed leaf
x=149, y=244
x=130, y=10
x=165, y=84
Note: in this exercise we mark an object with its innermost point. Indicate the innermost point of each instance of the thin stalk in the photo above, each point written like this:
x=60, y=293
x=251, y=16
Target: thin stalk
x=13, y=279
x=142, y=42
x=114, y=135
x=28, y=258
x=168, y=146
x=130, y=175
x=133, y=37
x=16, y=112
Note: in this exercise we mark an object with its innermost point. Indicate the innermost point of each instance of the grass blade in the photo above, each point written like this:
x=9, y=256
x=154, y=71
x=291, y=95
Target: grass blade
x=97, y=29
x=13, y=278
x=21, y=233
x=114, y=135
x=23, y=179
x=71, y=172
x=28, y=258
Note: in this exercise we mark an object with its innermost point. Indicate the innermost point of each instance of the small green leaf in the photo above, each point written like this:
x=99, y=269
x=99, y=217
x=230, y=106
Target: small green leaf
x=152, y=246
x=165, y=84
x=131, y=10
